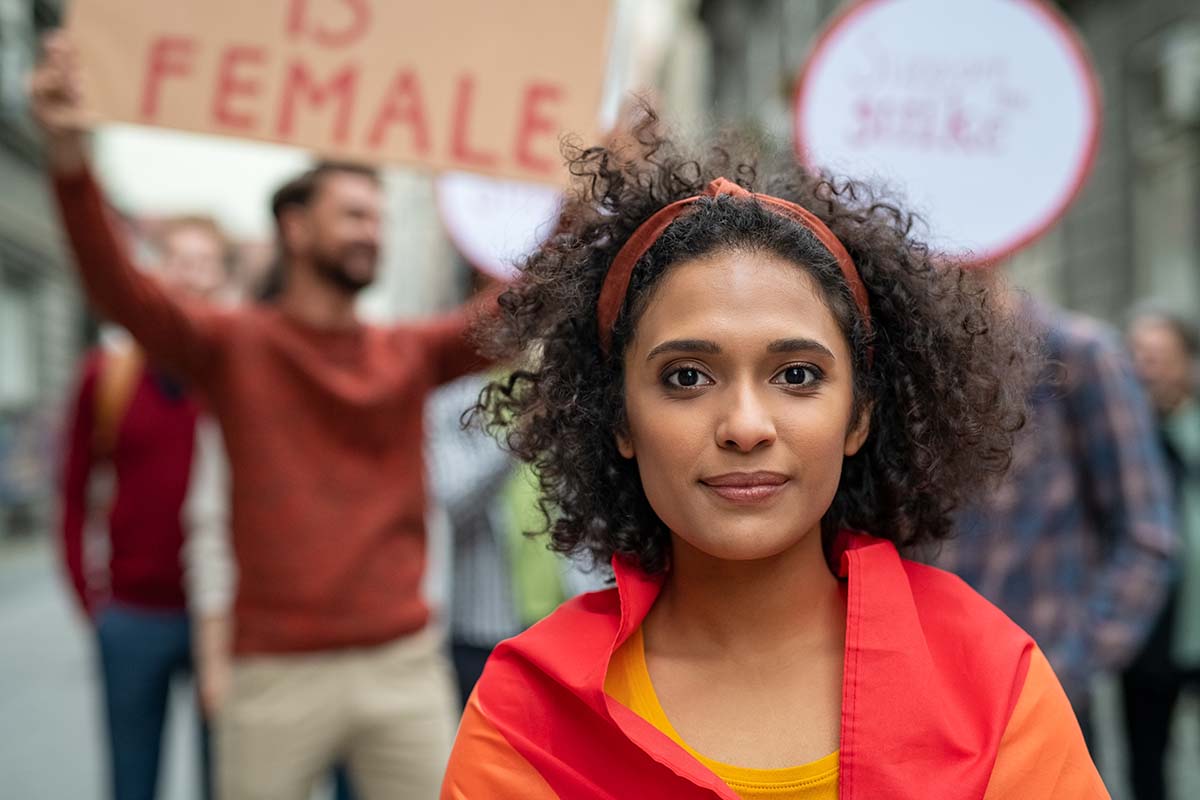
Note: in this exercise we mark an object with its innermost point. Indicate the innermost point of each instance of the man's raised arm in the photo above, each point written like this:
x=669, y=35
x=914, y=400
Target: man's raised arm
x=175, y=335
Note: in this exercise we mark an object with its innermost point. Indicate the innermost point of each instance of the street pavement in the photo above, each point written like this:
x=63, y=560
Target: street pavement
x=50, y=713
x=50, y=734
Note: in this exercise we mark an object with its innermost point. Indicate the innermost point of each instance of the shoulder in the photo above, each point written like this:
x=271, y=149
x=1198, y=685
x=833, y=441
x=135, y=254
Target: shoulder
x=539, y=723
x=930, y=602
x=1088, y=331
x=1042, y=752
x=944, y=594
x=965, y=634
x=484, y=763
x=934, y=667
x=592, y=609
x=245, y=329
x=945, y=608
x=1013, y=693
x=952, y=614
x=564, y=654
x=533, y=697
x=578, y=633
x=1079, y=338
x=1088, y=363
x=404, y=335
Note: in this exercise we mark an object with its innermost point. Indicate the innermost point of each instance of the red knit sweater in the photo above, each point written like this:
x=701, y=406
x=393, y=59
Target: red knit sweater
x=324, y=434
x=152, y=458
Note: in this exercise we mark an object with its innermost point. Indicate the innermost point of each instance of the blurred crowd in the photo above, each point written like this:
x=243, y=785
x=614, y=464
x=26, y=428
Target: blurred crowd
x=253, y=482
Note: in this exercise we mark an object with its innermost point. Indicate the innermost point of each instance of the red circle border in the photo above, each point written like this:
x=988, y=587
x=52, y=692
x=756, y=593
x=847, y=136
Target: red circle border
x=1083, y=62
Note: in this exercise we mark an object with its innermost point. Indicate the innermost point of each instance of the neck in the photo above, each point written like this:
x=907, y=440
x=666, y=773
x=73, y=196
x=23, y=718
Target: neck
x=315, y=301
x=712, y=606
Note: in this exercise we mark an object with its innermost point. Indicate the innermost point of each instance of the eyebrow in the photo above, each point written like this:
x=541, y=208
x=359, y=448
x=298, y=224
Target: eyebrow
x=798, y=345
x=685, y=346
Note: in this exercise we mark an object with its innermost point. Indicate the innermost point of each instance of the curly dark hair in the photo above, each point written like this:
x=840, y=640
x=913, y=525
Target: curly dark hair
x=946, y=382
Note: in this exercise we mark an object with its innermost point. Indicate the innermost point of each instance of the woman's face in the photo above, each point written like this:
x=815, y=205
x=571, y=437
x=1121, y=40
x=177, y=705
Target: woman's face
x=738, y=393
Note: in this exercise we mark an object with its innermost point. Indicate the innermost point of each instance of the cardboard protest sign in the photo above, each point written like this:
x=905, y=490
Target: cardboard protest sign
x=479, y=85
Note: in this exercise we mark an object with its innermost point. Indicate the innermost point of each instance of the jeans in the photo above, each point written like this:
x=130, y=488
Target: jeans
x=342, y=789
x=141, y=651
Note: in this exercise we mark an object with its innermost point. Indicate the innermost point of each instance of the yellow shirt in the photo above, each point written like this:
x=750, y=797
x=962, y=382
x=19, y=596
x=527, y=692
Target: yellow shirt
x=628, y=682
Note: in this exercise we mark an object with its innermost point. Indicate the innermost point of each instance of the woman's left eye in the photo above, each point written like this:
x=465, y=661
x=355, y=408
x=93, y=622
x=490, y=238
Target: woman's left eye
x=799, y=375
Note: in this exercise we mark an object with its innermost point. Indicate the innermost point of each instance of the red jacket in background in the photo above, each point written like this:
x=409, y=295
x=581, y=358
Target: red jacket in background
x=151, y=457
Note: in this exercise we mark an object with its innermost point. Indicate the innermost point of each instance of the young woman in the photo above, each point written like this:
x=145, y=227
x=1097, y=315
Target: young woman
x=748, y=389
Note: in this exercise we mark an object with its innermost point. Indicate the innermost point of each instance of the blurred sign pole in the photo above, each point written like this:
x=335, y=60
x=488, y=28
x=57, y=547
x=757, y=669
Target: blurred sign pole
x=479, y=85
x=984, y=113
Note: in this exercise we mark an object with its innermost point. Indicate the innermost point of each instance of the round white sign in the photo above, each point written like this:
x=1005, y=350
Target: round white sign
x=495, y=223
x=983, y=114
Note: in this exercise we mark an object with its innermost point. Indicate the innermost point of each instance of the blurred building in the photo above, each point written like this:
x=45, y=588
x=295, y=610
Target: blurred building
x=41, y=322
x=1133, y=232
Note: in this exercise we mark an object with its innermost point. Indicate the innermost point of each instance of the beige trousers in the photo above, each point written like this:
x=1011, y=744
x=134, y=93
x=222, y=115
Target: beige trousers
x=388, y=712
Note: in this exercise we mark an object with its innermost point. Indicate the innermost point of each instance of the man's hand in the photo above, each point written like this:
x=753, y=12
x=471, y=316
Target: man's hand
x=214, y=661
x=56, y=104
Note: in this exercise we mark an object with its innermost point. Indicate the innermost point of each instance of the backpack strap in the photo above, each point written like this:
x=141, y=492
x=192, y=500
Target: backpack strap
x=120, y=371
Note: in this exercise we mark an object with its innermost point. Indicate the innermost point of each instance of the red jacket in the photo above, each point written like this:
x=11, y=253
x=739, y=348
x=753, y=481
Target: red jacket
x=151, y=456
x=943, y=697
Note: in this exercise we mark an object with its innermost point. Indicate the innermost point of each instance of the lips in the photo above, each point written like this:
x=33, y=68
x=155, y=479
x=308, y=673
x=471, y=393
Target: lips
x=746, y=487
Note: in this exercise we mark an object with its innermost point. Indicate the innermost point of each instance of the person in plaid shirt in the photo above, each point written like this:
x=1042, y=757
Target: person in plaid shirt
x=1076, y=542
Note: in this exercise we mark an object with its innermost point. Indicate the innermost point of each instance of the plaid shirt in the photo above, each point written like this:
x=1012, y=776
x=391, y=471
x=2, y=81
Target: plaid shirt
x=1076, y=542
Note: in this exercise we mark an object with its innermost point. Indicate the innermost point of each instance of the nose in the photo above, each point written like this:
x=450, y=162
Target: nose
x=746, y=423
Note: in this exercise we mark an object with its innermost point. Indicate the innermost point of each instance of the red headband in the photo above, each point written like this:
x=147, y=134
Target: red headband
x=616, y=282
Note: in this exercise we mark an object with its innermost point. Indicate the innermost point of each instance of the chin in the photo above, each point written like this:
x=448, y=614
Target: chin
x=746, y=545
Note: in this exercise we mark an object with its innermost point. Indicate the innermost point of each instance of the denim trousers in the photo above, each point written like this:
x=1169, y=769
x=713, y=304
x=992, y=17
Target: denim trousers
x=141, y=652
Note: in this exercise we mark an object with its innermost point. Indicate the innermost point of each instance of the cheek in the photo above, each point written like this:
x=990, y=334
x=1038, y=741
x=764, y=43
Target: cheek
x=669, y=487
x=814, y=433
x=343, y=231
x=814, y=428
x=209, y=271
x=817, y=448
x=668, y=442
x=667, y=435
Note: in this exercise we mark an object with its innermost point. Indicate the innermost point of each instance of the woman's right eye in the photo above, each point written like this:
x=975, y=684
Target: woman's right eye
x=687, y=378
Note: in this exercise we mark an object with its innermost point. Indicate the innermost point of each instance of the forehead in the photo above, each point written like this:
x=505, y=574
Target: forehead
x=191, y=236
x=738, y=296
x=346, y=187
x=1158, y=335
